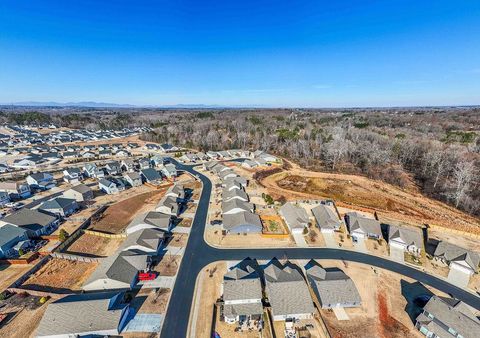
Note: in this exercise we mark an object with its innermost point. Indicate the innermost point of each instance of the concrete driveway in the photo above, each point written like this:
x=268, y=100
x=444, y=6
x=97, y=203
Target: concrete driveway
x=397, y=254
x=458, y=278
x=330, y=241
x=143, y=322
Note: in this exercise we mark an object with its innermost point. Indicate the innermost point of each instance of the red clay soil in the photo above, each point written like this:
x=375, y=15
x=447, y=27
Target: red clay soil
x=388, y=326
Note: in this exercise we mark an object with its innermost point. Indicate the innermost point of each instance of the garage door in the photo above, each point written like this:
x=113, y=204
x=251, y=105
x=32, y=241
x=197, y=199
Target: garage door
x=458, y=278
x=397, y=254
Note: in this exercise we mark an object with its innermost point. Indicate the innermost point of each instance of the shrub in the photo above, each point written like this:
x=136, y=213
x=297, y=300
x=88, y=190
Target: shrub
x=63, y=235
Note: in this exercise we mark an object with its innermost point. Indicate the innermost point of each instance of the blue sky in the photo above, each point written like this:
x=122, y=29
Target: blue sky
x=268, y=53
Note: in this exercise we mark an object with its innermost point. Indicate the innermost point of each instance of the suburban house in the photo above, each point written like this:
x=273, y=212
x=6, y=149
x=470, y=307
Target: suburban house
x=118, y=271
x=259, y=154
x=249, y=164
x=92, y=315
x=4, y=198
x=80, y=193
x=361, y=227
x=227, y=174
x=176, y=191
x=448, y=317
x=143, y=163
x=128, y=165
x=457, y=258
x=157, y=160
x=327, y=220
x=235, y=206
x=10, y=235
x=133, y=178
x=150, y=220
x=150, y=175
x=235, y=180
x=108, y=186
x=60, y=206
x=122, y=153
x=332, y=287
x=113, y=168
x=233, y=185
x=42, y=181
x=15, y=190
x=242, y=295
x=168, y=205
x=146, y=241
x=169, y=170
x=287, y=292
x=168, y=148
x=72, y=175
x=92, y=171
x=228, y=195
x=104, y=153
x=295, y=217
x=242, y=222
x=36, y=223
x=406, y=239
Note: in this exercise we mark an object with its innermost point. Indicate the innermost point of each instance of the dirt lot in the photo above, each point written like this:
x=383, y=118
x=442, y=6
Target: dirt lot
x=215, y=237
x=91, y=245
x=116, y=218
x=315, y=237
x=377, y=247
x=208, y=289
x=60, y=275
x=24, y=315
x=151, y=300
x=10, y=273
x=178, y=240
x=273, y=224
x=168, y=266
x=383, y=311
x=360, y=192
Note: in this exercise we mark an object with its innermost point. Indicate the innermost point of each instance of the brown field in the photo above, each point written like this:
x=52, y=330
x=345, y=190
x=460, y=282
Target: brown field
x=359, y=192
x=91, y=245
x=151, y=300
x=215, y=237
x=60, y=275
x=178, y=240
x=10, y=273
x=168, y=266
x=24, y=315
x=117, y=216
x=273, y=224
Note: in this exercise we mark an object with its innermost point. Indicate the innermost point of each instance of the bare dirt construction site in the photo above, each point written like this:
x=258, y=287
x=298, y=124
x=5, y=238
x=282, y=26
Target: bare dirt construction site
x=94, y=246
x=363, y=193
x=117, y=216
x=60, y=275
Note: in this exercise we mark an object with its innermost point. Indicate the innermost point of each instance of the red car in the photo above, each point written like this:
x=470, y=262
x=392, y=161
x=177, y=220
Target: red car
x=147, y=275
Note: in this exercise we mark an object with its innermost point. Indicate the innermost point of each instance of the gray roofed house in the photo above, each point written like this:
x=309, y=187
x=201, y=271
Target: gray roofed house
x=146, y=241
x=80, y=192
x=113, y=168
x=178, y=191
x=235, y=206
x=150, y=220
x=360, y=226
x=72, y=175
x=296, y=217
x=168, y=205
x=327, y=220
x=448, y=317
x=108, y=186
x=228, y=195
x=150, y=175
x=36, y=223
x=133, y=178
x=332, y=287
x=118, y=271
x=232, y=180
x=10, y=235
x=457, y=257
x=407, y=239
x=43, y=181
x=91, y=314
x=227, y=174
x=59, y=206
x=242, y=295
x=169, y=170
x=287, y=292
x=242, y=222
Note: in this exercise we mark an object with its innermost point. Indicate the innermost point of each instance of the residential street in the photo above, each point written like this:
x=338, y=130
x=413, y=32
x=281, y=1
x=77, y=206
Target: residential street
x=198, y=254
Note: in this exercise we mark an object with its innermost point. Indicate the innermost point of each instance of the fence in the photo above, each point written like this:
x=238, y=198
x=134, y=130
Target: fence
x=77, y=258
x=104, y=234
x=26, y=275
x=20, y=260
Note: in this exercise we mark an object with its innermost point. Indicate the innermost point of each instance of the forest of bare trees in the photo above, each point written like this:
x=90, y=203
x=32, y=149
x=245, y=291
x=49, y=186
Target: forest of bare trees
x=439, y=151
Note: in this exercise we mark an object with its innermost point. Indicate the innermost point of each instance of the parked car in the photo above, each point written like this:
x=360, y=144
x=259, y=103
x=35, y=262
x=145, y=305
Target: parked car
x=142, y=276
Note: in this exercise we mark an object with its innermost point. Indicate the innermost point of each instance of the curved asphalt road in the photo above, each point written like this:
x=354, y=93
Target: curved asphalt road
x=198, y=254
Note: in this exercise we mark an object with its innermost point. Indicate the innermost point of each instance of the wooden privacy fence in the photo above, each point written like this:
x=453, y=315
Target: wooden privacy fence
x=77, y=258
x=104, y=234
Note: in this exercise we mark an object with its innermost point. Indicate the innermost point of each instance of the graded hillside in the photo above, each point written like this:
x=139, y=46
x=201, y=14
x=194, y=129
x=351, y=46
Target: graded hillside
x=363, y=193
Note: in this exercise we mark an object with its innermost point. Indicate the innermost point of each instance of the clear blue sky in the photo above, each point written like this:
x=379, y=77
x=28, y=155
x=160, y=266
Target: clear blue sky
x=241, y=52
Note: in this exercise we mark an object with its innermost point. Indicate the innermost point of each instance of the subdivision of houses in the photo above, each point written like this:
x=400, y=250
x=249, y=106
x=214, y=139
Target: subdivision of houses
x=128, y=165
x=10, y=236
x=228, y=195
x=242, y=295
x=168, y=205
x=81, y=193
x=15, y=190
x=145, y=241
x=332, y=287
x=72, y=175
x=463, y=263
x=91, y=314
x=327, y=220
x=169, y=170
x=448, y=317
x=92, y=171
x=150, y=220
x=235, y=206
x=107, y=186
x=405, y=239
x=151, y=176
x=287, y=292
x=242, y=222
x=113, y=168
x=178, y=191
x=133, y=178
x=295, y=217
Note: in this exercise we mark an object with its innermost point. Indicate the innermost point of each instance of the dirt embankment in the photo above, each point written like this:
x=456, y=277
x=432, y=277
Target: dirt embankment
x=362, y=193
